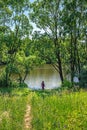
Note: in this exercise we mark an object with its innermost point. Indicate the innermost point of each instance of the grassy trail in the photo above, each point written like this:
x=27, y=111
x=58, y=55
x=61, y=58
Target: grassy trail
x=13, y=104
x=22, y=109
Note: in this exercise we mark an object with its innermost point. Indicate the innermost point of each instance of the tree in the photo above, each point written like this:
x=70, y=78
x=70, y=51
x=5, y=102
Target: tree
x=73, y=26
x=46, y=14
x=14, y=25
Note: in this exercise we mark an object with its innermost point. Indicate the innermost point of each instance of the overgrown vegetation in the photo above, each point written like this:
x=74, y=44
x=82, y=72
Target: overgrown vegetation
x=55, y=111
x=50, y=109
x=61, y=41
x=83, y=77
x=13, y=103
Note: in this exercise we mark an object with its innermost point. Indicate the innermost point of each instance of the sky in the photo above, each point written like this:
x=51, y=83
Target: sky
x=31, y=0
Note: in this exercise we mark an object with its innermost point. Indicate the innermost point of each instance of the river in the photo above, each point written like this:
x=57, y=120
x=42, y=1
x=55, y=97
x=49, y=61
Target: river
x=44, y=73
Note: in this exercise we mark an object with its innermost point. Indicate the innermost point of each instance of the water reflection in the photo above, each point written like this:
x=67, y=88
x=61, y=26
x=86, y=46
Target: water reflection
x=44, y=73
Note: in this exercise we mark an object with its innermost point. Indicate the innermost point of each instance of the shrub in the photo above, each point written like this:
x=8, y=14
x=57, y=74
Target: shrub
x=66, y=84
x=83, y=77
x=2, y=80
x=23, y=85
x=11, y=83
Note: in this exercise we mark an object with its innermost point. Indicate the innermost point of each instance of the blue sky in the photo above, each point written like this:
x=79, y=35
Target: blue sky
x=31, y=0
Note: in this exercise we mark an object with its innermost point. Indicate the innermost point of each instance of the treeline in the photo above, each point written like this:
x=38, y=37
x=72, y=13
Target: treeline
x=61, y=41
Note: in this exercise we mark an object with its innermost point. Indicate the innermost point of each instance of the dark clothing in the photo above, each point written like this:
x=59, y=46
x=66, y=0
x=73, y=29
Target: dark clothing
x=42, y=85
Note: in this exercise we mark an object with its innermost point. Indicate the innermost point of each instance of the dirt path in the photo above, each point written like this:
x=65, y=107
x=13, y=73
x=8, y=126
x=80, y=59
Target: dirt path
x=27, y=118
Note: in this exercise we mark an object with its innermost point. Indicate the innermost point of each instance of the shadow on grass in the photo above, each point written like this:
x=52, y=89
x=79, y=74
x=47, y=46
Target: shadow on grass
x=6, y=90
x=57, y=91
x=15, y=91
x=47, y=92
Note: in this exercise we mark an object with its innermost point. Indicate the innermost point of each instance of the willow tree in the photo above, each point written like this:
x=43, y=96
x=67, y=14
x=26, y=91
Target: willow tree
x=46, y=15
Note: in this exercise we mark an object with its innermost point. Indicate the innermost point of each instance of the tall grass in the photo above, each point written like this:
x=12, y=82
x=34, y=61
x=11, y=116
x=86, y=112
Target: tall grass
x=12, y=109
x=50, y=109
x=63, y=111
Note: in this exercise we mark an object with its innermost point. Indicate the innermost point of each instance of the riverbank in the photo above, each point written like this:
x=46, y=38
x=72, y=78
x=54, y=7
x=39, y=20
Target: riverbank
x=50, y=109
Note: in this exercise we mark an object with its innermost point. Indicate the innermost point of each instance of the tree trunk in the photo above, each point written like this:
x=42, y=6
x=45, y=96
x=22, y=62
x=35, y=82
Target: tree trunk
x=57, y=46
x=25, y=76
x=71, y=59
x=60, y=67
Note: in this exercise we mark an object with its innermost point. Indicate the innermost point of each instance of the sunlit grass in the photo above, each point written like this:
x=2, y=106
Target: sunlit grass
x=50, y=109
x=63, y=111
x=12, y=108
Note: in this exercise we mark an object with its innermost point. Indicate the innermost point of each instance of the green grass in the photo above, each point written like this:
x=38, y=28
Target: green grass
x=12, y=108
x=50, y=109
x=59, y=111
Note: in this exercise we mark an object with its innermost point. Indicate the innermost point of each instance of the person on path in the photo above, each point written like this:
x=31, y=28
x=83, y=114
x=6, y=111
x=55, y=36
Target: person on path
x=42, y=85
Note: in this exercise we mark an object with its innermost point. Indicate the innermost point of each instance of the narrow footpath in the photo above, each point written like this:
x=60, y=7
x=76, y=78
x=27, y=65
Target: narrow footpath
x=27, y=118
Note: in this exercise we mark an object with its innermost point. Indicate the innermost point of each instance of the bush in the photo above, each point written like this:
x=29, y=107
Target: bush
x=24, y=85
x=83, y=77
x=2, y=80
x=10, y=82
x=66, y=84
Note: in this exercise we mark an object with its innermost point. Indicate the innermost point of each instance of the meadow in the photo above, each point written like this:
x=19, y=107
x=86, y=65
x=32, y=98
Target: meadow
x=12, y=108
x=59, y=110
x=50, y=109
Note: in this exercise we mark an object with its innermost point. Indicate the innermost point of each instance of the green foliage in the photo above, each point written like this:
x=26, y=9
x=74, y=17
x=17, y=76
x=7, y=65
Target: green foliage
x=22, y=85
x=63, y=31
x=83, y=77
x=24, y=64
x=11, y=83
x=14, y=27
x=66, y=84
x=2, y=80
x=61, y=41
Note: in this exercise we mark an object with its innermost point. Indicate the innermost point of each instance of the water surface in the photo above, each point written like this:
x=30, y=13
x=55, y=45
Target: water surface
x=44, y=73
